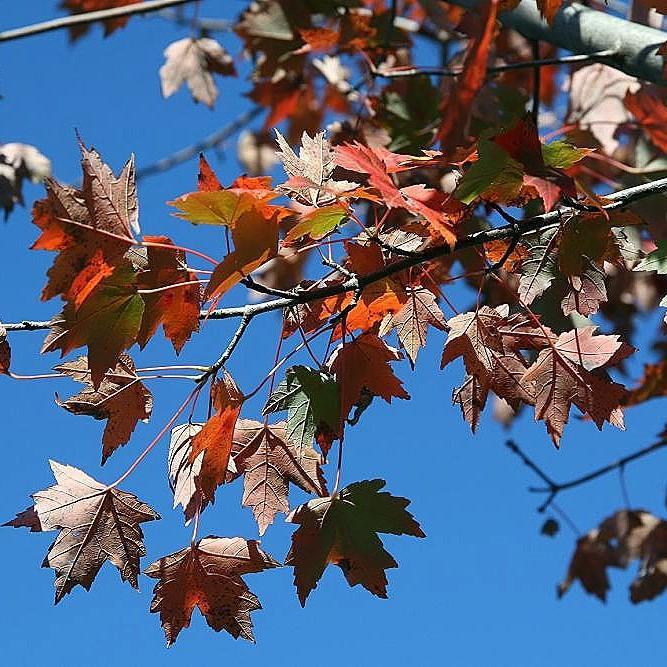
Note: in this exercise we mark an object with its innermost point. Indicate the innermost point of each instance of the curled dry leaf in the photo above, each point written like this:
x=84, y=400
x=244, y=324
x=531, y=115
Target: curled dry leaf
x=207, y=575
x=121, y=398
x=96, y=523
x=343, y=530
x=17, y=163
x=269, y=462
x=194, y=61
x=622, y=538
x=183, y=471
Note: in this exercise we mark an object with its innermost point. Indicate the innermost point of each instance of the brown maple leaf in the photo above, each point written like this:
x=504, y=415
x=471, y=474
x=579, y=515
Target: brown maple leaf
x=122, y=399
x=616, y=542
x=362, y=366
x=569, y=372
x=208, y=575
x=96, y=522
x=194, y=61
x=90, y=228
x=269, y=463
x=342, y=530
x=411, y=322
x=183, y=471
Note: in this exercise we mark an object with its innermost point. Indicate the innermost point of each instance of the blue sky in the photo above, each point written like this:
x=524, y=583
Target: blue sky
x=478, y=591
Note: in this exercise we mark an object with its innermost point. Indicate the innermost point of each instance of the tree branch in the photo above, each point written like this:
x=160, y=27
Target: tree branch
x=494, y=69
x=553, y=488
x=579, y=29
x=354, y=283
x=204, y=144
x=88, y=17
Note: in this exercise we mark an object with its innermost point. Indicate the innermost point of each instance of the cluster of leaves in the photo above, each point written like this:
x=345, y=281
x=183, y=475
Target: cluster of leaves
x=410, y=220
x=622, y=538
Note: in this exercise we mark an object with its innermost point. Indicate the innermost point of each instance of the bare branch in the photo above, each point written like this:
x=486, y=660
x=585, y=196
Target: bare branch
x=88, y=17
x=494, y=69
x=211, y=141
x=552, y=488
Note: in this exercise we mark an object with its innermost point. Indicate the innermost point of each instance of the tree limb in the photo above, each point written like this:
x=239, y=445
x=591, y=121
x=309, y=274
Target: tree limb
x=537, y=223
x=88, y=17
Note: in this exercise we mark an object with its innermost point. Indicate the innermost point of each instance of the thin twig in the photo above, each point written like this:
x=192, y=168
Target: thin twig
x=492, y=69
x=211, y=141
x=88, y=17
x=553, y=488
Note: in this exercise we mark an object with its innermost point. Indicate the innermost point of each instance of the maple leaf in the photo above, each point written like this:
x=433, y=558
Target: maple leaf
x=316, y=223
x=176, y=308
x=361, y=366
x=312, y=400
x=596, y=102
x=207, y=575
x=522, y=144
x=215, y=439
x=453, y=130
x=269, y=462
x=96, y=522
x=411, y=322
x=494, y=176
x=91, y=228
x=485, y=340
x=441, y=211
x=213, y=204
x=17, y=163
x=108, y=323
x=183, y=469
x=549, y=9
x=376, y=300
x=562, y=376
x=618, y=540
x=5, y=352
x=121, y=398
x=82, y=6
x=649, y=108
x=651, y=580
x=342, y=530
x=193, y=61
x=311, y=170
x=653, y=384
x=255, y=242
